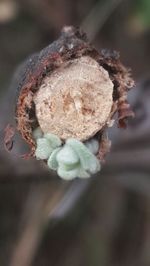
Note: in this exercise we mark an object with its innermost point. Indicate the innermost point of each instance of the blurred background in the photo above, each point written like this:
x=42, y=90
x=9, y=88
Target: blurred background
x=102, y=222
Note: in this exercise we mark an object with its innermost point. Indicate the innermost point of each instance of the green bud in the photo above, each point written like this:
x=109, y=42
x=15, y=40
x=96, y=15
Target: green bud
x=52, y=161
x=37, y=133
x=92, y=145
x=89, y=162
x=53, y=139
x=67, y=155
x=43, y=149
x=67, y=175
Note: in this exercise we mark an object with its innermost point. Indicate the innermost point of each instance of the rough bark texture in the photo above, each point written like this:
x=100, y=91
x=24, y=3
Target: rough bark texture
x=112, y=226
x=72, y=44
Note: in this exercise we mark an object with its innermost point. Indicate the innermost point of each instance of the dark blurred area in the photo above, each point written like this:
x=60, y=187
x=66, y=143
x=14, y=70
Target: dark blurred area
x=106, y=220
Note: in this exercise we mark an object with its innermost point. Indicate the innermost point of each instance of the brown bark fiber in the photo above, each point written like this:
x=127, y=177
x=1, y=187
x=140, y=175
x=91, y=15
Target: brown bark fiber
x=71, y=45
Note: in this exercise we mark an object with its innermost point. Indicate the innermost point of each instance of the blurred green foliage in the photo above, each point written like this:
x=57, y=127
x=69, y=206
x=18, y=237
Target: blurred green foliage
x=142, y=12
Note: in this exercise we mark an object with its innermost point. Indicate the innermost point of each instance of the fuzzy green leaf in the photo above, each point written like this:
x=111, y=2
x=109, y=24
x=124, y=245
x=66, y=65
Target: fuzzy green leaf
x=92, y=145
x=67, y=175
x=52, y=161
x=53, y=139
x=89, y=162
x=43, y=149
x=37, y=133
x=67, y=156
x=83, y=174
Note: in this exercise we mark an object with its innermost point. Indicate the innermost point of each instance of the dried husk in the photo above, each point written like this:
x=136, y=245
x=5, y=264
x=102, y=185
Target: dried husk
x=72, y=45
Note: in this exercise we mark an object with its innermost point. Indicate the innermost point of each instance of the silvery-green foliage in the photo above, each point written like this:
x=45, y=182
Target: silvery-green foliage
x=71, y=160
x=46, y=145
x=43, y=149
x=37, y=133
x=53, y=139
x=67, y=156
x=67, y=175
x=52, y=162
x=92, y=145
x=88, y=160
